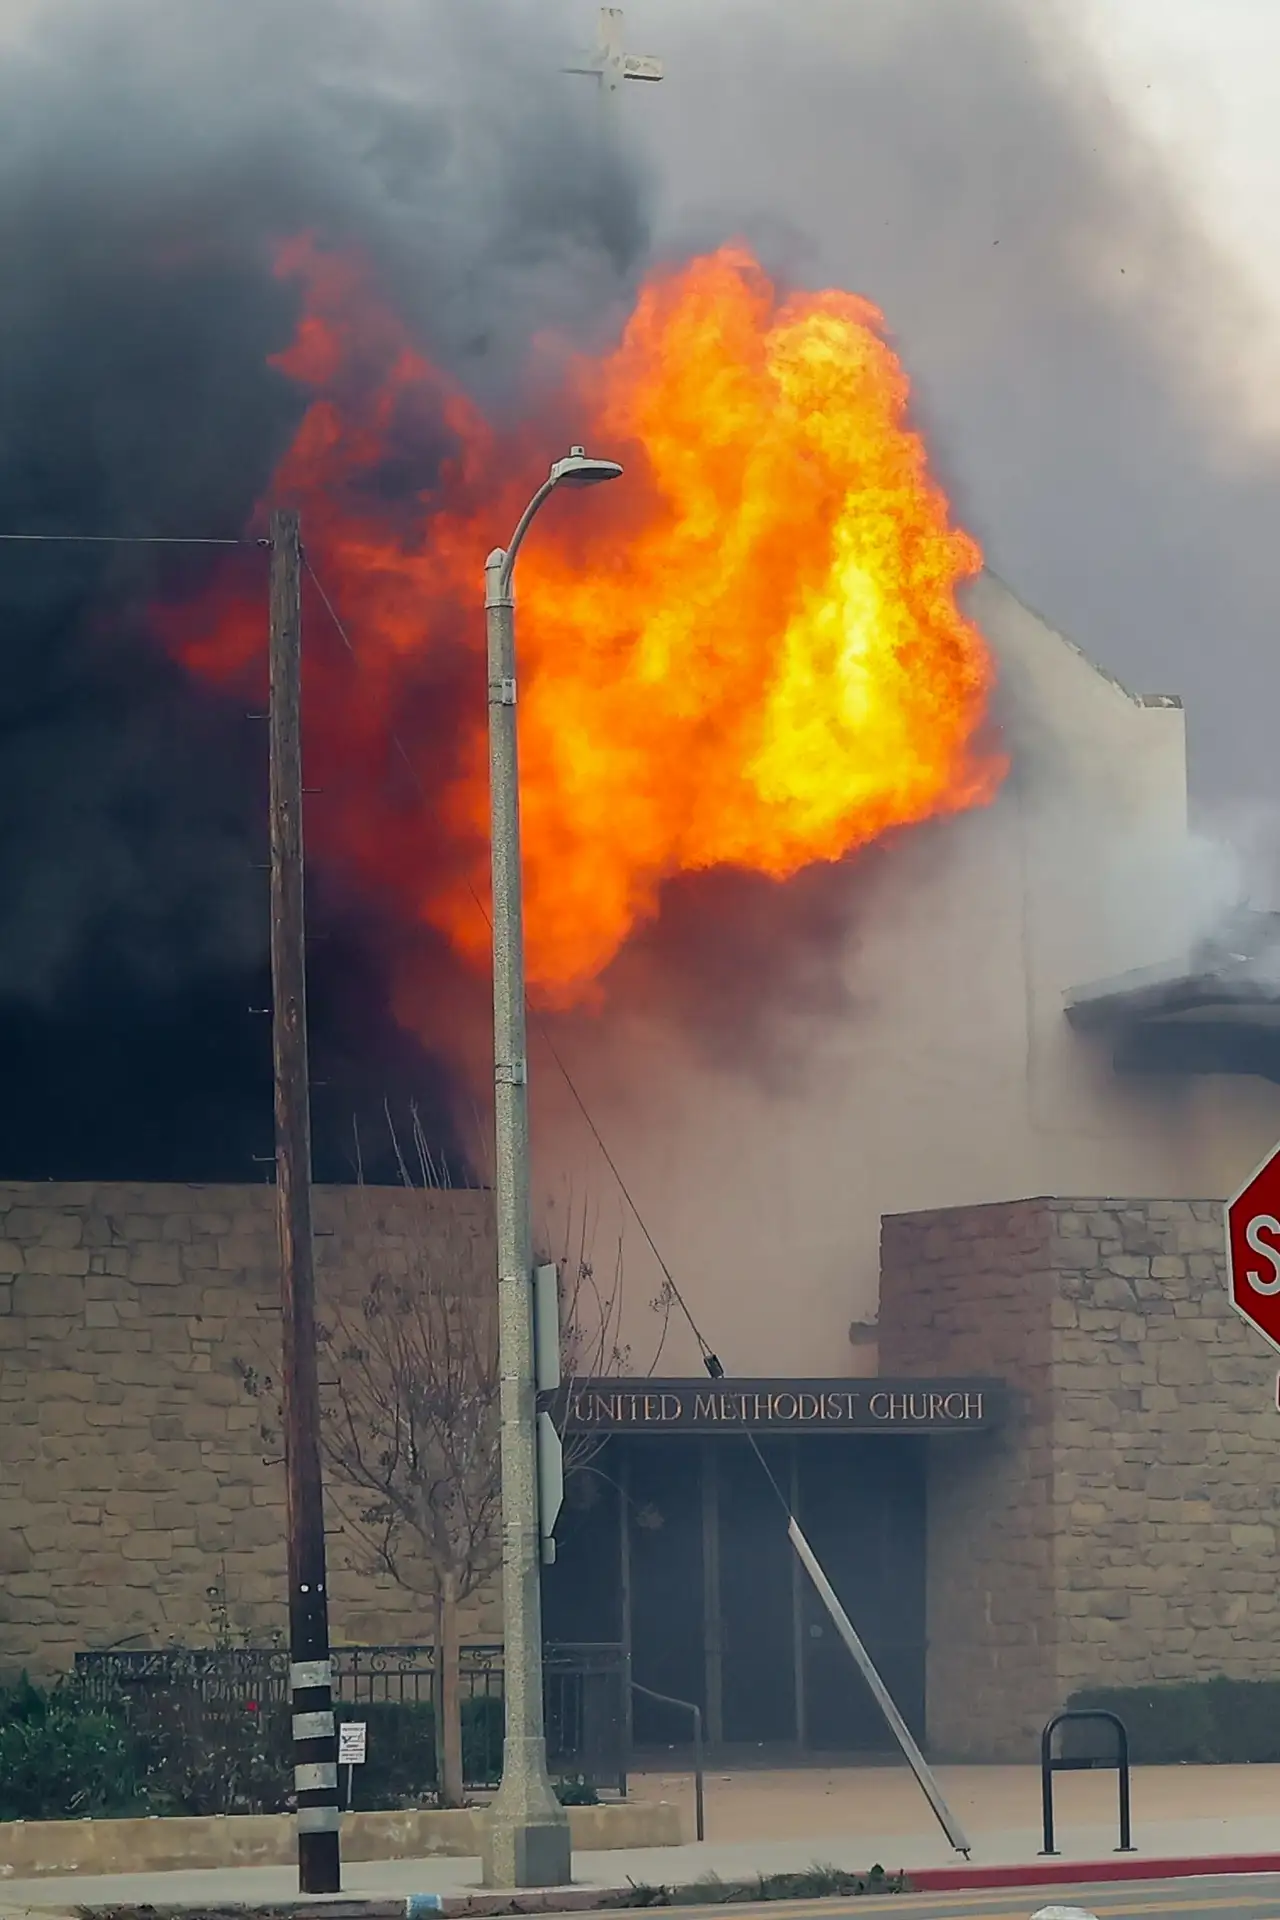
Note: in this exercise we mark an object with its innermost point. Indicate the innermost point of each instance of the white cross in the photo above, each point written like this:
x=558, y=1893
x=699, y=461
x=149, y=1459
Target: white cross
x=609, y=63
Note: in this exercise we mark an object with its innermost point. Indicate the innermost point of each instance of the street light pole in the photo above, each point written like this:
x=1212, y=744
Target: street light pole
x=526, y=1840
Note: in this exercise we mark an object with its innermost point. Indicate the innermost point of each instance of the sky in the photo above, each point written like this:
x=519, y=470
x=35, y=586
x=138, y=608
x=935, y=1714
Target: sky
x=1199, y=77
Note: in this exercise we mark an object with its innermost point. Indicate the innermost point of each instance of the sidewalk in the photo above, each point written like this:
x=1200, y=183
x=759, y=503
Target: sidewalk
x=775, y=1821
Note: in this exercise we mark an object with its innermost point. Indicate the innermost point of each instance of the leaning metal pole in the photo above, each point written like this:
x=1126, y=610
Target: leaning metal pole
x=883, y=1699
x=526, y=1838
x=315, y=1772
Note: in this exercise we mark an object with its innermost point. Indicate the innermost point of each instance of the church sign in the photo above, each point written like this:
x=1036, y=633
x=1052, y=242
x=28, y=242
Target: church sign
x=777, y=1406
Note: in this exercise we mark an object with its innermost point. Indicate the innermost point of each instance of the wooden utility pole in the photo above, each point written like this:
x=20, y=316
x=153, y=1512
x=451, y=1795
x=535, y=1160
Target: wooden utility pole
x=315, y=1755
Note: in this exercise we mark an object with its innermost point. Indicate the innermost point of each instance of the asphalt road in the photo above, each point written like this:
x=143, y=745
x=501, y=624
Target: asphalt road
x=1226, y=1897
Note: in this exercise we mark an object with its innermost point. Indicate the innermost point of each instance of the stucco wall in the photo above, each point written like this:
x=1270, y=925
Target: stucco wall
x=133, y=1475
x=763, y=1158
x=1123, y=1528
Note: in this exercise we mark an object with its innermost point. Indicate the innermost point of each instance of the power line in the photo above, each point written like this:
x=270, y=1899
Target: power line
x=611, y=1163
x=709, y=1359
x=129, y=540
x=204, y=540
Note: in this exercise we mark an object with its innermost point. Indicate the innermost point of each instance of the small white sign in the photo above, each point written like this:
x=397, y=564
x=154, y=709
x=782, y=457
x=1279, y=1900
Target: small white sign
x=352, y=1738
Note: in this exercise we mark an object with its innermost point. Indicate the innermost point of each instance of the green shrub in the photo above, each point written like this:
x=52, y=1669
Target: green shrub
x=22, y=1702
x=61, y=1756
x=167, y=1749
x=1246, y=1717
x=1195, y=1721
x=576, y=1791
x=212, y=1756
x=482, y=1729
x=401, y=1765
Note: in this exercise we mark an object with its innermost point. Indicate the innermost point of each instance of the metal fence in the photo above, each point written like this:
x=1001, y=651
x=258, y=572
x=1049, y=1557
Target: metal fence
x=393, y=1687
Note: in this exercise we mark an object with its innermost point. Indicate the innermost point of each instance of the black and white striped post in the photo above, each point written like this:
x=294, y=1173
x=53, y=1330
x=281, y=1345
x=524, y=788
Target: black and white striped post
x=315, y=1775
x=315, y=1740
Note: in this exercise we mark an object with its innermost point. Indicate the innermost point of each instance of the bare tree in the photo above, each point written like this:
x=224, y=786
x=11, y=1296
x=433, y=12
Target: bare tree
x=590, y=1308
x=411, y=1430
x=410, y=1415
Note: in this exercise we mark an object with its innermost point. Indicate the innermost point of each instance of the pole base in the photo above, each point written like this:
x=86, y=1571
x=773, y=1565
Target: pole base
x=526, y=1836
x=526, y=1853
x=319, y=1865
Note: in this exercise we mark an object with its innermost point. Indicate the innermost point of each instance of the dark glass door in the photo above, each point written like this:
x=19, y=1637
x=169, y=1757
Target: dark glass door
x=668, y=1654
x=756, y=1619
x=582, y=1591
x=861, y=1502
x=862, y=1509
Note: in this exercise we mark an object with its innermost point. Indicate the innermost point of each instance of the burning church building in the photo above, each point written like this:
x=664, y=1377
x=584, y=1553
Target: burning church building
x=842, y=873
x=965, y=1275
x=955, y=1242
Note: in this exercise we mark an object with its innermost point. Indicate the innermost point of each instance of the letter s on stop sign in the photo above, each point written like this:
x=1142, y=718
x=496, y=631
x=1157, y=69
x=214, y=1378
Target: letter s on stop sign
x=1260, y=1235
x=1253, y=1249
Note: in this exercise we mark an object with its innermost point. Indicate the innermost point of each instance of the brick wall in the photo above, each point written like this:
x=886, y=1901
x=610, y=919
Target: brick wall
x=1122, y=1529
x=132, y=1469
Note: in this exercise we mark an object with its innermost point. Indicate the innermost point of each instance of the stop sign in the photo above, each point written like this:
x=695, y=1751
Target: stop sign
x=1253, y=1249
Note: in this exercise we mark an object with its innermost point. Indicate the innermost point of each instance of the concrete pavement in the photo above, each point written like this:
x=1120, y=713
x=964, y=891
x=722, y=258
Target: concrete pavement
x=1221, y=1806
x=778, y=1821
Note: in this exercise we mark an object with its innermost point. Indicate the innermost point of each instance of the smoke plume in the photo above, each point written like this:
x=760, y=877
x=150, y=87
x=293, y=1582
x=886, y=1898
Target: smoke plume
x=1073, y=338
x=152, y=156
x=1068, y=329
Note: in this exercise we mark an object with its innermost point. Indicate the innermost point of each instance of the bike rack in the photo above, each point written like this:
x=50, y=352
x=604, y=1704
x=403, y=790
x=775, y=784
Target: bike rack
x=669, y=1700
x=1049, y=1765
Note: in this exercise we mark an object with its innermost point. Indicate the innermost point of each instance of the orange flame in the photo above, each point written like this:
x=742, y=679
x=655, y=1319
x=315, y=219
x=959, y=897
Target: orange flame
x=746, y=652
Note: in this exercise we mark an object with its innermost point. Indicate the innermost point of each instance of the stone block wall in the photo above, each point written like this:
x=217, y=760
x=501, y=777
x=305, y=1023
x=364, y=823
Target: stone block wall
x=133, y=1473
x=972, y=1288
x=1122, y=1529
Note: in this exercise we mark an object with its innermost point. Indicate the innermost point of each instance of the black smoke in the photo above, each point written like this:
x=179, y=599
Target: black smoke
x=151, y=157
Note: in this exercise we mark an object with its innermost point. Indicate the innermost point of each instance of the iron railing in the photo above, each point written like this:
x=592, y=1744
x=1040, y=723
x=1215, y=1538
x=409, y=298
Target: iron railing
x=585, y=1697
x=699, y=1772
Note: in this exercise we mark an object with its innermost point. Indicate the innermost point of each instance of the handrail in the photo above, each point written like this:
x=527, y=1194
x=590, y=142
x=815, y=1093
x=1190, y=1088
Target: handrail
x=689, y=1706
x=1049, y=1765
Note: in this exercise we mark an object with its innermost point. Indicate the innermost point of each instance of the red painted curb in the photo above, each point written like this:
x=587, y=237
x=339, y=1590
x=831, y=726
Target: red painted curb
x=1087, y=1873
x=1039, y=1873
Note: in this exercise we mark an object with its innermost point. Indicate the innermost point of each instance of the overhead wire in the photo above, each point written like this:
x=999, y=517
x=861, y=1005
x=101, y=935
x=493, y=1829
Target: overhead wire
x=672, y=1289
x=129, y=540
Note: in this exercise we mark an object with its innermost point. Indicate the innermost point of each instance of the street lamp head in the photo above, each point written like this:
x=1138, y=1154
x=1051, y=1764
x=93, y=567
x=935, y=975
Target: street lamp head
x=575, y=470
x=578, y=470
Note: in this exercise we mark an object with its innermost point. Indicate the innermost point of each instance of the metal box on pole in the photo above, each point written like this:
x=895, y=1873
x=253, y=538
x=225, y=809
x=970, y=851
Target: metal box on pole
x=546, y=1349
